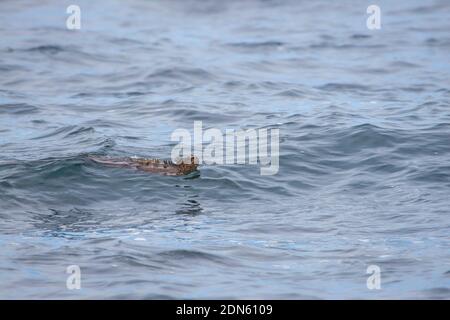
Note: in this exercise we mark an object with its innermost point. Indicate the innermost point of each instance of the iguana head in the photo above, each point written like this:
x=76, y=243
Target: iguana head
x=187, y=164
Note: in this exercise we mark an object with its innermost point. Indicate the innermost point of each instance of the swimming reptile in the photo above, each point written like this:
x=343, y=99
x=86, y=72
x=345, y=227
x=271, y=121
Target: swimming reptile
x=164, y=167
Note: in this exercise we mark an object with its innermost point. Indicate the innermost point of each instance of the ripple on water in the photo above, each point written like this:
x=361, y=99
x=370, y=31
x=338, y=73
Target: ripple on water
x=364, y=150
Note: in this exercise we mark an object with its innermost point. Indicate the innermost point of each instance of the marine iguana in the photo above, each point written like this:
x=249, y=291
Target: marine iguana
x=164, y=167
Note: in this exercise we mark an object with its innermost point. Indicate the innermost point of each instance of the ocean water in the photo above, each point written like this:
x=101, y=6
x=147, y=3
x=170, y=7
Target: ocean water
x=364, y=177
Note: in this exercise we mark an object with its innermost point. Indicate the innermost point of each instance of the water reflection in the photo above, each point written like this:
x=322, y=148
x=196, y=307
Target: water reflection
x=70, y=224
x=190, y=207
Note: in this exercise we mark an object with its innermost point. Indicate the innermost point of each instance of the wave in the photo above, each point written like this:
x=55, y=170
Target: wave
x=18, y=109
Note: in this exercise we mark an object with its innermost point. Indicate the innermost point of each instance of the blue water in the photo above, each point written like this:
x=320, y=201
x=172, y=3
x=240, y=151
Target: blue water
x=364, y=179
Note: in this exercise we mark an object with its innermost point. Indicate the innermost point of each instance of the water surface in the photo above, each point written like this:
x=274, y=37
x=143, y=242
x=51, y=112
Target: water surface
x=364, y=173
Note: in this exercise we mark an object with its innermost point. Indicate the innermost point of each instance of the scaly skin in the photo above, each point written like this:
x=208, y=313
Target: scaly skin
x=165, y=167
